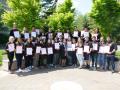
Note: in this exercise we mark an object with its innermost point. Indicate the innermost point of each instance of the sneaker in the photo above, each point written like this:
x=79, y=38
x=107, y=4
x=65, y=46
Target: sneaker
x=80, y=67
x=25, y=70
x=32, y=66
x=55, y=66
x=18, y=71
x=29, y=70
x=51, y=65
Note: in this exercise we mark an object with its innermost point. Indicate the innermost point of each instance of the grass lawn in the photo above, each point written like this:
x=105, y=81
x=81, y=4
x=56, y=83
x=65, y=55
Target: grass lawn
x=2, y=55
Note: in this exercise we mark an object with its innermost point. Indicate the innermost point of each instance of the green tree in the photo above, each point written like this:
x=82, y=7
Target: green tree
x=23, y=12
x=82, y=21
x=1, y=12
x=2, y=26
x=63, y=18
x=106, y=14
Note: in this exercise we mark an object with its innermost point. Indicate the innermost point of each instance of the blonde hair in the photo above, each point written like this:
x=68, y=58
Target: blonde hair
x=11, y=39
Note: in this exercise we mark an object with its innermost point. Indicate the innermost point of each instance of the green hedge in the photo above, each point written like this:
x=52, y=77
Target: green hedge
x=118, y=54
x=1, y=52
x=3, y=38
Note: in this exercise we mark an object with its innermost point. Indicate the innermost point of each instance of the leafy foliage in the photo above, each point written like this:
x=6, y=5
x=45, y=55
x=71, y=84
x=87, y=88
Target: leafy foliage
x=82, y=21
x=106, y=13
x=1, y=57
x=23, y=12
x=63, y=17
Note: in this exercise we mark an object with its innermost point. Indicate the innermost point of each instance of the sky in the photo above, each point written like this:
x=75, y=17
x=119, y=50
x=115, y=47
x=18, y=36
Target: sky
x=82, y=6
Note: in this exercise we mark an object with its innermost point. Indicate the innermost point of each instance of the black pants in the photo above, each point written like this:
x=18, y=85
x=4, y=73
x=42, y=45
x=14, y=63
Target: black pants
x=10, y=57
x=74, y=58
x=50, y=59
x=19, y=60
x=28, y=61
x=69, y=58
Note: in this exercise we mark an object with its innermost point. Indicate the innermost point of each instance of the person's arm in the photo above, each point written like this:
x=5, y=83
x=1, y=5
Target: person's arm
x=11, y=33
x=91, y=47
x=115, y=48
x=6, y=48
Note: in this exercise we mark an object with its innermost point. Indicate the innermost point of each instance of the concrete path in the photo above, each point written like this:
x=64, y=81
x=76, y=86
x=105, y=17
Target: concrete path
x=43, y=79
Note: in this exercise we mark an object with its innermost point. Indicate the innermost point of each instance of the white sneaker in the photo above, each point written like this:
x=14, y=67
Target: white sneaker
x=18, y=71
x=32, y=66
x=25, y=70
x=29, y=70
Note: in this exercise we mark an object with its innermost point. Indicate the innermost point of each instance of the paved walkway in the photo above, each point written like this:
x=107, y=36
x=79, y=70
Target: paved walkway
x=44, y=79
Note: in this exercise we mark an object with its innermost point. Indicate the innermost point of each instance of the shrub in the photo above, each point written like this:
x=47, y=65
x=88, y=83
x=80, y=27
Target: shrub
x=118, y=54
x=3, y=38
x=1, y=57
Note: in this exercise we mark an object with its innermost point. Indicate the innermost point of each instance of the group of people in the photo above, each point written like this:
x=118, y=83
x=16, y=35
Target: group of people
x=80, y=49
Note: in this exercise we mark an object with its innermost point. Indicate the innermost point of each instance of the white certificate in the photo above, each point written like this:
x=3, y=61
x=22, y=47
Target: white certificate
x=101, y=49
x=50, y=35
x=16, y=34
x=59, y=34
x=106, y=49
x=43, y=37
x=11, y=47
x=86, y=34
x=87, y=49
x=69, y=43
x=57, y=46
x=66, y=35
x=95, y=46
x=38, y=49
x=73, y=47
x=19, y=49
x=43, y=51
x=37, y=31
x=75, y=34
x=29, y=51
x=82, y=33
x=69, y=46
x=79, y=50
x=50, y=50
x=26, y=35
x=33, y=34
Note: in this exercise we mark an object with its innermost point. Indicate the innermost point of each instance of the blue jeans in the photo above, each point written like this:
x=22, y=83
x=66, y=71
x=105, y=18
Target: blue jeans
x=94, y=57
x=80, y=59
x=111, y=61
x=102, y=60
